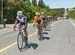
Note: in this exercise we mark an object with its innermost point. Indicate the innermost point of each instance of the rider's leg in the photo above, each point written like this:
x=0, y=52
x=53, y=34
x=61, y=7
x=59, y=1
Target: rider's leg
x=26, y=33
x=41, y=30
x=19, y=27
x=26, y=38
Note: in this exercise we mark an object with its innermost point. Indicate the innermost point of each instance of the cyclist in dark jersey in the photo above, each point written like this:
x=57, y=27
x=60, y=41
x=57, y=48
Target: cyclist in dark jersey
x=45, y=19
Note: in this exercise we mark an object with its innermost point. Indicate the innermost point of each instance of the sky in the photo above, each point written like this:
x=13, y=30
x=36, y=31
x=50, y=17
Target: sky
x=60, y=3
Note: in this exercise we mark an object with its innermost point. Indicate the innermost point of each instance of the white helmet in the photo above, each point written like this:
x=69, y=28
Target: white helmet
x=19, y=13
x=42, y=13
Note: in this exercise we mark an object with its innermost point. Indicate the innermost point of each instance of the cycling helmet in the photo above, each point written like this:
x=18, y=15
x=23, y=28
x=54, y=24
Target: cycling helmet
x=37, y=13
x=42, y=13
x=19, y=13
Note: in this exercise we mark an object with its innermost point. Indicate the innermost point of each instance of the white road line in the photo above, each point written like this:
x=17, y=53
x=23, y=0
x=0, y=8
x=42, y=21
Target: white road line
x=72, y=23
x=9, y=46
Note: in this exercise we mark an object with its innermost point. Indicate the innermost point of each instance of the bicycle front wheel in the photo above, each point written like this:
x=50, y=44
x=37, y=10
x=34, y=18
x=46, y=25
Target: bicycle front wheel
x=20, y=41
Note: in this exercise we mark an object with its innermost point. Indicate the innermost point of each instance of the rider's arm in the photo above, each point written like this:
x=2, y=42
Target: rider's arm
x=15, y=24
x=41, y=19
x=26, y=25
x=34, y=20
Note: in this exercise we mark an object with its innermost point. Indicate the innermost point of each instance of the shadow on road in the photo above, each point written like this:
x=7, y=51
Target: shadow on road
x=33, y=45
x=47, y=38
x=45, y=32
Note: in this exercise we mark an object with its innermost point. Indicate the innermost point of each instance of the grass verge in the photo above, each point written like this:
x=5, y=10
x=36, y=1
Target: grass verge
x=1, y=27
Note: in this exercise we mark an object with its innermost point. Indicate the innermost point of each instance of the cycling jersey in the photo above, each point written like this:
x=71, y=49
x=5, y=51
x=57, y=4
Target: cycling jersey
x=44, y=17
x=38, y=19
x=22, y=20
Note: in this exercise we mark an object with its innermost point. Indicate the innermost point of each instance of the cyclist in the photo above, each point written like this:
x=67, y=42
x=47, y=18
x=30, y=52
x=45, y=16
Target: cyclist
x=21, y=20
x=45, y=19
x=38, y=20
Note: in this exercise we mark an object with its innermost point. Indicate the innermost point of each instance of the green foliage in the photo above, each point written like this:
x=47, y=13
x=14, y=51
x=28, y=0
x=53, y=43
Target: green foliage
x=12, y=6
x=34, y=2
x=41, y=3
x=1, y=27
x=58, y=12
x=71, y=14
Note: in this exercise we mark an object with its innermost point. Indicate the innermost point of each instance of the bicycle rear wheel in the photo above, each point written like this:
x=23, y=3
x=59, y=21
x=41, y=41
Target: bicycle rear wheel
x=39, y=33
x=39, y=36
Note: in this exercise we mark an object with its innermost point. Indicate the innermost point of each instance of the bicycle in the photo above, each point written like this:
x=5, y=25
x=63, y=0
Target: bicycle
x=21, y=39
x=39, y=32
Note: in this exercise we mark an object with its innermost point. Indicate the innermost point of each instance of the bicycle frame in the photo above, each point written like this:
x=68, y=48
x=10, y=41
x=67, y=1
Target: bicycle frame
x=22, y=30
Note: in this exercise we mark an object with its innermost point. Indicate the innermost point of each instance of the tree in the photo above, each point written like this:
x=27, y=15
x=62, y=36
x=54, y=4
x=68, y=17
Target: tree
x=12, y=6
x=5, y=3
x=34, y=2
x=0, y=3
x=0, y=9
x=41, y=3
x=27, y=1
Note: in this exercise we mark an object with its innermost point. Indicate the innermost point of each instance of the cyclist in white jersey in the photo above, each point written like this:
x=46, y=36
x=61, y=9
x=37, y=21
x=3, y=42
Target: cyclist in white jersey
x=21, y=20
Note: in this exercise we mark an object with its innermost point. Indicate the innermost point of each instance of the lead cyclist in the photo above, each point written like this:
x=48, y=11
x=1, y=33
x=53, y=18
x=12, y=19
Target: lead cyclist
x=21, y=20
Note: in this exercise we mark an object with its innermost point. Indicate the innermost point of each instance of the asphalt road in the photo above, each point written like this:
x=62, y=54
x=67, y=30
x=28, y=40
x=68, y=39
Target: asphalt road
x=59, y=39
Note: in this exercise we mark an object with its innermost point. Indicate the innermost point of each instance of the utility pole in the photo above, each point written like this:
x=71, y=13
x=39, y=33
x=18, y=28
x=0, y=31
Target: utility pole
x=1, y=10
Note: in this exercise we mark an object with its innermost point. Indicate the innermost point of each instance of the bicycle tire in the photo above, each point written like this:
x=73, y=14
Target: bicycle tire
x=39, y=33
x=20, y=37
x=44, y=24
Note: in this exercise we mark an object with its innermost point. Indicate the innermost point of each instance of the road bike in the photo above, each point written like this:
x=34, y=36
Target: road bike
x=22, y=43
